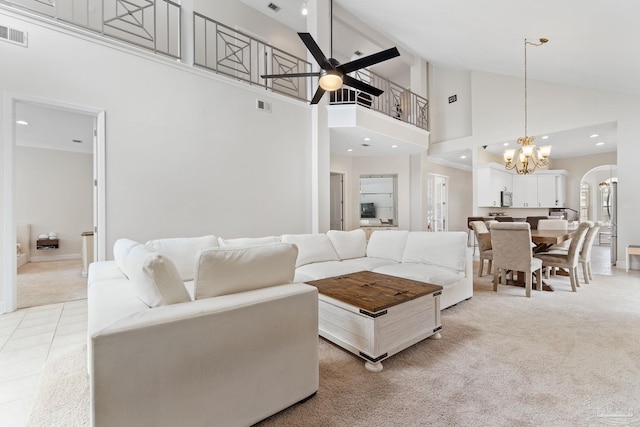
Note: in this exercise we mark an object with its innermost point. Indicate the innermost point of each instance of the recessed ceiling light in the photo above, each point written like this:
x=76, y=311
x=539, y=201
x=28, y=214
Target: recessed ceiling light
x=545, y=137
x=463, y=157
x=367, y=139
x=304, y=11
x=394, y=146
x=595, y=135
x=600, y=143
x=22, y=122
x=350, y=149
x=506, y=144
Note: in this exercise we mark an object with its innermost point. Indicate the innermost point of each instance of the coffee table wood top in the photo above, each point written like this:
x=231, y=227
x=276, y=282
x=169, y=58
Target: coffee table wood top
x=372, y=291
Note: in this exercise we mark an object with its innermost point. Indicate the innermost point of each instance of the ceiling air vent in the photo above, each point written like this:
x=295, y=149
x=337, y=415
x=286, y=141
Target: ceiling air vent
x=13, y=36
x=274, y=7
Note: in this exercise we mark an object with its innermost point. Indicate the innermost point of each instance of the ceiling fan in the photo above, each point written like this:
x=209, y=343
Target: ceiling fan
x=332, y=74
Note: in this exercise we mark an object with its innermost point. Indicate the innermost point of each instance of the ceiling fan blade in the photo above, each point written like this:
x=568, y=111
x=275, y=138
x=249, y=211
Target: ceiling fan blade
x=284, y=76
x=317, y=96
x=357, y=84
x=315, y=50
x=367, y=61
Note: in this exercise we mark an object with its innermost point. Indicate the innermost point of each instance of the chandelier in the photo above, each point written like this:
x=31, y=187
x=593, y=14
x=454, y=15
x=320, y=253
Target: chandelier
x=526, y=158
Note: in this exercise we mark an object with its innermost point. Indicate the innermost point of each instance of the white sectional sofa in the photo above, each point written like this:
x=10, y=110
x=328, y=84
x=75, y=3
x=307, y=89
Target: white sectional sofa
x=184, y=333
x=205, y=330
x=437, y=258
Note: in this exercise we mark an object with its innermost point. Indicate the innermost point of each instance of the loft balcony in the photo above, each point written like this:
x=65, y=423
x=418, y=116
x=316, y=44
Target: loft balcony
x=156, y=26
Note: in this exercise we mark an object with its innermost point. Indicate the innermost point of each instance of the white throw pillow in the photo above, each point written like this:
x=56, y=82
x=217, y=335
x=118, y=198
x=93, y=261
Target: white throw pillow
x=349, y=244
x=311, y=248
x=448, y=249
x=121, y=250
x=183, y=251
x=155, y=278
x=223, y=271
x=247, y=241
x=387, y=244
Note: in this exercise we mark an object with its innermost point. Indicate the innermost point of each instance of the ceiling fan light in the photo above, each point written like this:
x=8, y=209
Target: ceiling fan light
x=330, y=81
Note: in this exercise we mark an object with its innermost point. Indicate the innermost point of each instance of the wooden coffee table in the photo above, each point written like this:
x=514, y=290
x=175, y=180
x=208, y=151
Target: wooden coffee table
x=375, y=315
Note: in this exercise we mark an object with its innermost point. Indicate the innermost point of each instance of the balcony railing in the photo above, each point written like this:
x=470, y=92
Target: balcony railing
x=396, y=101
x=155, y=25
x=150, y=24
x=225, y=50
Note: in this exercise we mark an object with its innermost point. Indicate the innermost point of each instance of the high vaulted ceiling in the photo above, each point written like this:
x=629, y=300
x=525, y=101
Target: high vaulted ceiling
x=593, y=43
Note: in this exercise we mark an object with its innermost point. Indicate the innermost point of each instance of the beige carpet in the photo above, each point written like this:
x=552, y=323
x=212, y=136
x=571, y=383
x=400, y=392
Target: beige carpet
x=561, y=358
x=50, y=282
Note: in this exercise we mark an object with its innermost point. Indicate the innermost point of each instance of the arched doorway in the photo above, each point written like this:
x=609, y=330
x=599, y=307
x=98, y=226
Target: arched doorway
x=598, y=204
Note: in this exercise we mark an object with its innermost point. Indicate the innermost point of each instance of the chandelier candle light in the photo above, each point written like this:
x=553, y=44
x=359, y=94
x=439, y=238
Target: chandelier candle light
x=525, y=159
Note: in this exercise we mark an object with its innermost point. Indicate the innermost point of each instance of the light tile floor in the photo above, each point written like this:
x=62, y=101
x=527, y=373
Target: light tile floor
x=28, y=337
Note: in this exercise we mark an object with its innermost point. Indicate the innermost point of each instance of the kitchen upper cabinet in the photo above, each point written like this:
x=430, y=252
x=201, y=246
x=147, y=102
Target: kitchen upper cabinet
x=525, y=191
x=540, y=190
x=491, y=180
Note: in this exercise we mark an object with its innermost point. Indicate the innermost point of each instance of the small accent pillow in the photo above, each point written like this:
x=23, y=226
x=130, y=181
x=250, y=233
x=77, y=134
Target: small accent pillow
x=223, y=271
x=311, y=248
x=247, y=241
x=121, y=250
x=155, y=278
x=183, y=251
x=349, y=244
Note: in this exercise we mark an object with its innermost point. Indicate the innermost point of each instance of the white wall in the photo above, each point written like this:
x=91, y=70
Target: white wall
x=449, y=120
x=187, y=153
x=54, y=192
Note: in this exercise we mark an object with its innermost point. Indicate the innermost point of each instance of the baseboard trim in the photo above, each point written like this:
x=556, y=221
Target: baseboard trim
x=55, y=257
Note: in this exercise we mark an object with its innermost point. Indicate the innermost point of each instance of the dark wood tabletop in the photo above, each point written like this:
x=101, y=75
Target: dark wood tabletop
x=372, y=291
x=551, y=237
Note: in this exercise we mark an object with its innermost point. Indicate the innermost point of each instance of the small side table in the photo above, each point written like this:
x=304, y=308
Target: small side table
x=632, y=250
x=47, y=244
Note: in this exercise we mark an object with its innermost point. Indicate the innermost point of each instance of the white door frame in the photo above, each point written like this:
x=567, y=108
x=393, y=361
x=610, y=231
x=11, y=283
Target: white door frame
x=10, y=296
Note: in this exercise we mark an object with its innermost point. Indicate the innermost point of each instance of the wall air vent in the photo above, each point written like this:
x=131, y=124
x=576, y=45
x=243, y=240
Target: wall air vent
x=12, y=35
x=262, y=105
x=274, y=7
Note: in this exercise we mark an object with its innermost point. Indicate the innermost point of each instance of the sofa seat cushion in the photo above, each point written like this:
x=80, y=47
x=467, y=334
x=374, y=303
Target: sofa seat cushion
x=224, y=271
x=387, y=244
x=423, y=273
x=369, y=264
x=443, y=249
x=349, y=244
x=321, y=270
x=247, y=241
x=183, y=251
x=311, y=248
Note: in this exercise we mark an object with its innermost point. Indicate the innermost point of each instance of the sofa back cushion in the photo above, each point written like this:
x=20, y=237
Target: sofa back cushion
x=247, y=241
x=223, y=271
x=121, y=250
x=154, y=277
x=446, y=249
x=311, y=248
x=349, y=244
x=387, y=244
x=183, y=251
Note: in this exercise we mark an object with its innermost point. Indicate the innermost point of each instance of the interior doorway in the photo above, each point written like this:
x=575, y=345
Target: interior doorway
x=36, y=133
x=336, y=194
x=437, y=202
